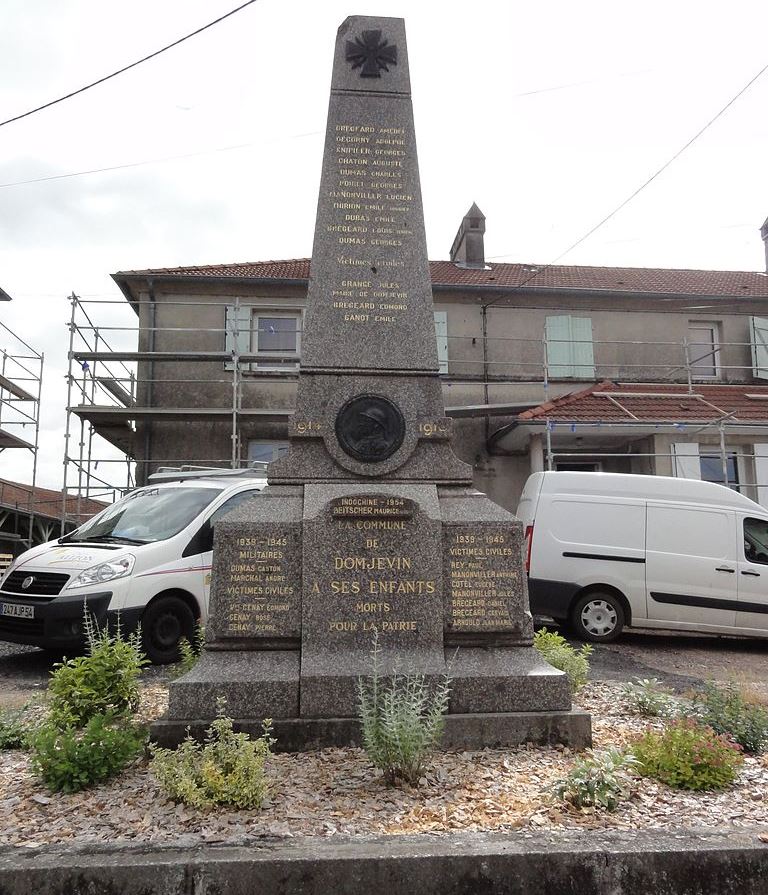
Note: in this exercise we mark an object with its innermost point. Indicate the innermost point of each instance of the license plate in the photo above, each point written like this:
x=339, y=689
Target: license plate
x=17, y=610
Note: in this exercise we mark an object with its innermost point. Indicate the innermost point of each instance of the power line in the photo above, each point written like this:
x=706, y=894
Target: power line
x=120, y=71
x=639, y=190
x=158, y=161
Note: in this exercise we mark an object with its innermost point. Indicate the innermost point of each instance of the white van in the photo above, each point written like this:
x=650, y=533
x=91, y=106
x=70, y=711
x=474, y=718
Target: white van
x=607, y=551
x=146, y=557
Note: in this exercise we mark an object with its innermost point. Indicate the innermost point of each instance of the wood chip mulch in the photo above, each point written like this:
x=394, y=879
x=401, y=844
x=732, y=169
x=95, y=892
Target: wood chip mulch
x=337, y=791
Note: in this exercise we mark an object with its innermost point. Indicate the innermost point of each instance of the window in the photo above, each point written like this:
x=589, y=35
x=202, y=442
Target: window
x=276, y=334
x=441, y=332
x=703, y=350
x=756, y=540
x=272, y=332
x=578, y=467
x=570, y=353
x=266, y=451
x=712, y=469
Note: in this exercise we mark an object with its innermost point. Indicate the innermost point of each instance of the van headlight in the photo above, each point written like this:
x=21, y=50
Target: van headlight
x=103, y=572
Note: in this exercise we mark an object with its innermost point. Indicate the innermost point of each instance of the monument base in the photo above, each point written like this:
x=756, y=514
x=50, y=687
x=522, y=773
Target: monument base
x=497, y=730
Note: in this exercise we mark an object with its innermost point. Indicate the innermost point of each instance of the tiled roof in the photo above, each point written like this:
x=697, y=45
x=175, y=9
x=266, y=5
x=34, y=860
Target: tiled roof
x=446, y=273
x=610, y=402
x=46, y=502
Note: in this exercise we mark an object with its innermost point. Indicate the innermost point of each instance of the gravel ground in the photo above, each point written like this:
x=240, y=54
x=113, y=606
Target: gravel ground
x=337, y=791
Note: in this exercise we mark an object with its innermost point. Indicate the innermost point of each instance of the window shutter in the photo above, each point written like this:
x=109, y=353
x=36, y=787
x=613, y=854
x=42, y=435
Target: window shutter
x=558, y=334
x=686, y=463
x=237, y=332
x=441, y=332
x=583, y=359
x=758, y=328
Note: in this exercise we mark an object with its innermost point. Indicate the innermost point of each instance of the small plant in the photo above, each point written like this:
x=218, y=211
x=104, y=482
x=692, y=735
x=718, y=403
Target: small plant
x=556, y=650
x=68, y=760
x=726, y=711
x=190, y=652
x=402, y=720
x=688, y=755
x=105, y=681
x=649, y=697
x=597, y=781
x=228, y=769
x=14, y=732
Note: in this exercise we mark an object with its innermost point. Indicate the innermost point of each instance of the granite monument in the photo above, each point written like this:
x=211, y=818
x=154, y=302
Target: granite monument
x=370, y=523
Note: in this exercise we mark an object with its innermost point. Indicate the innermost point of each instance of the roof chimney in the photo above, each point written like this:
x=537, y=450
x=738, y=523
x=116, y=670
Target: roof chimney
x=467, y=249
x=764, y=234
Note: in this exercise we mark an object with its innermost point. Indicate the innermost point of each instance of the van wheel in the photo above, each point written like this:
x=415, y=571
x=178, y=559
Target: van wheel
x=164, y=623
x=598, y=617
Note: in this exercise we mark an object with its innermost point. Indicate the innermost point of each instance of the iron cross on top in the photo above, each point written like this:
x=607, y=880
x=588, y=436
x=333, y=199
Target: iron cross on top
x=372, y=53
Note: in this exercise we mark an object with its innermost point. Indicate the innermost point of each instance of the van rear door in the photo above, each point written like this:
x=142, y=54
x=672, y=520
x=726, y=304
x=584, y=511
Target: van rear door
x=691, y=566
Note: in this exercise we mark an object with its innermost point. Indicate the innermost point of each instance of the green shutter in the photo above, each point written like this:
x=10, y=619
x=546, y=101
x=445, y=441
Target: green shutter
x=581, y=346
x=570, y=353
x=758, y=327
x=237, y=331
x=441, y=332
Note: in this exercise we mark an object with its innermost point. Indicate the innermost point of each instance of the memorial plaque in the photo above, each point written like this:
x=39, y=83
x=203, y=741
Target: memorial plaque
x=482, y=578
x=258, y=589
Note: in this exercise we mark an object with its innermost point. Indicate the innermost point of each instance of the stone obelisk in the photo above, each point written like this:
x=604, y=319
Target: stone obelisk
x=370, y=523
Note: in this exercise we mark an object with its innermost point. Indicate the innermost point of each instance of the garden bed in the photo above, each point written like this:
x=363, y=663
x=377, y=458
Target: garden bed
x=337, y=791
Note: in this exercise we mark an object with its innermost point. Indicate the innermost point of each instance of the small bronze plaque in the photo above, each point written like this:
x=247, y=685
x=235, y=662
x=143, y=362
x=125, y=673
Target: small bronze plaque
x=370, y=428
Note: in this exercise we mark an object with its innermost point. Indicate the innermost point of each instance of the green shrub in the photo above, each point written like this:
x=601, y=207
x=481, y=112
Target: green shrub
x=190, y=652
x=556, y=650
x=70, y=759
x=402, y=720
x=105, y=681
x=599, y=780
x=14, y=730
x=688, y=755
x=650, y=698
x=228, y=769
x=725, y=710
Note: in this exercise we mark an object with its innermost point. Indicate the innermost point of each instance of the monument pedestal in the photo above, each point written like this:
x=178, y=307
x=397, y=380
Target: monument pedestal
x=370, y=524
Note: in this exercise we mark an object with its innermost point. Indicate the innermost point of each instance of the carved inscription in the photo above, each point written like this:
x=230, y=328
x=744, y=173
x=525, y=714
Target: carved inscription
x=372, y=506
x=482, y=580
x=258, y=586
x=371, y=579
x=371, y=201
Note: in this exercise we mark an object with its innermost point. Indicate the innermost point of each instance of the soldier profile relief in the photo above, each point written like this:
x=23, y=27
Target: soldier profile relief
x=370, y=428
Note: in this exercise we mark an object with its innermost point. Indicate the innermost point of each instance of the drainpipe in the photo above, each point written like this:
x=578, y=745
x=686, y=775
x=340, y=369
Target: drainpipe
x=150, y=383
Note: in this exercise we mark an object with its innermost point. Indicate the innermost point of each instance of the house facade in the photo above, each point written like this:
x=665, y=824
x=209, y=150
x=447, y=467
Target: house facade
x=654, y=371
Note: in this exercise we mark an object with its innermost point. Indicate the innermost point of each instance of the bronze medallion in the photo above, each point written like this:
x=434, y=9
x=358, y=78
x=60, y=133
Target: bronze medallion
x=370, y=428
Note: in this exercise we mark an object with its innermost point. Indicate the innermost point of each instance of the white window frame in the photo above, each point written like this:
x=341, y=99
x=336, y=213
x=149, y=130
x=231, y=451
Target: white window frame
x=695, y=352
x=441, y=334
x=282, y=313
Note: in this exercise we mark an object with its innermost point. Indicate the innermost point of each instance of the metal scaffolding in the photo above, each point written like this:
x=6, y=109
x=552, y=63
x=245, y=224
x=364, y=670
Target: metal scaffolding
x=21, y=381
x=114, y=391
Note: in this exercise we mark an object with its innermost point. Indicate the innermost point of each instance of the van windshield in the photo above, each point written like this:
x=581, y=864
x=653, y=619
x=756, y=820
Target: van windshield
x=152, y=514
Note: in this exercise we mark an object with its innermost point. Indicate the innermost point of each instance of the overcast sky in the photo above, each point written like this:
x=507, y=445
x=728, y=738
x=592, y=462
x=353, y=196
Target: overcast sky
x=548, y=115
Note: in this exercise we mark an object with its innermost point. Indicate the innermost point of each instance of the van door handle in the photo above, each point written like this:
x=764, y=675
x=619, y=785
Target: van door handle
x=724, y=569
x=748, y=572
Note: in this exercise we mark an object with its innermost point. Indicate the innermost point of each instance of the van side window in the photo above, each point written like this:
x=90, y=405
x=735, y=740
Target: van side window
x=756, y=540
x=202, y=542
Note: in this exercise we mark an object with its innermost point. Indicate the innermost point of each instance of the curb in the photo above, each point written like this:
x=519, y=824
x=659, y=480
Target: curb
x=574, y=863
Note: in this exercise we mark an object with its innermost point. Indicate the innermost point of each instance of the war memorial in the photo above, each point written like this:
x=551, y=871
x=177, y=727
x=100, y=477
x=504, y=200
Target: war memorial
x=371, y=522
